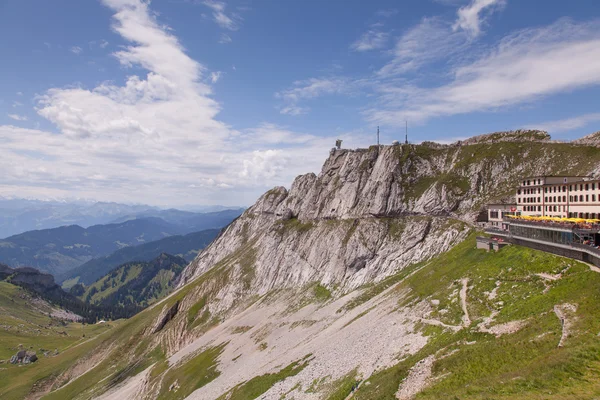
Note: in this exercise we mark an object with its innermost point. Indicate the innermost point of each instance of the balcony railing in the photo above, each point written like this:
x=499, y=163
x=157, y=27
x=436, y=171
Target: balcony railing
x=553, y=224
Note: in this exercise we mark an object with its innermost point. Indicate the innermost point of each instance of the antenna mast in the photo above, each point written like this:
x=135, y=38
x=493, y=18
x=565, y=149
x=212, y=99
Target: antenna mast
x=377, y=135
x=406, y=137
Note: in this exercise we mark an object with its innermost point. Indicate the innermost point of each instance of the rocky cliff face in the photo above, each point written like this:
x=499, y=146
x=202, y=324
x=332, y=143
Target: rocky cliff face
x=370, y=212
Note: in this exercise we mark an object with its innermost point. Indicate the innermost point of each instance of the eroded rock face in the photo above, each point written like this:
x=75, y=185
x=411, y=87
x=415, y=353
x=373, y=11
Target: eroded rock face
x=335, y=228
x=167, y=314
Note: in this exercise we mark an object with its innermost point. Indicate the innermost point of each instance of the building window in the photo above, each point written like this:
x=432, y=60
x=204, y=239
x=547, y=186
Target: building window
x=581, y=186
x=564, y=199
x=593, y=197
x=593, y=186
x=519, y=200
x=587, y=197
x=581, y=198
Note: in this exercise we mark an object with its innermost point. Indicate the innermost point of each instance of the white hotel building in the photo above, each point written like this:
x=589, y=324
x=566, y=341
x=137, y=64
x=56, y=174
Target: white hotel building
x=559, y=196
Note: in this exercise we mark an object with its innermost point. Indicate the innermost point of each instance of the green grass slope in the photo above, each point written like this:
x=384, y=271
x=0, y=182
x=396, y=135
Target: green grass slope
x=527, y=364
x=23, y=322
x=469, y=363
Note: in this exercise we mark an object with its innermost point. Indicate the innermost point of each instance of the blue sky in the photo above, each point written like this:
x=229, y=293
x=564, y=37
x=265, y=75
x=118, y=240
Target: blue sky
x=175, y=102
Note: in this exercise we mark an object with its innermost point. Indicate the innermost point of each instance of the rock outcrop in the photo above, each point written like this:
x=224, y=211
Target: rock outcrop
x=335, y=228
x=592, y=139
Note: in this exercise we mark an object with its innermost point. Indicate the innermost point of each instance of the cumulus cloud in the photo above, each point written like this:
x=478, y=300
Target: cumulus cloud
x=154, y=138
x=76, y=50
x=470, y=16
x=17, y=117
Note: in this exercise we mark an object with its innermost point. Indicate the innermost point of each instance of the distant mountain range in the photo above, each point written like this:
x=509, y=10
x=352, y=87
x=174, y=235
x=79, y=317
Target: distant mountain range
x=22, y=215
x=184, y=246
x=62, y=249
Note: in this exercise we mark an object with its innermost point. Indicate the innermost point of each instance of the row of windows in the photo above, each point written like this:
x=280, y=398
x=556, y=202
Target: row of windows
x=532, y=208
x=530, y=200
x=532, y=182
x=555, y=199
x=555, y=208
x=542, y=234
x=587, y=186
x=580, y=198
x=554, y=189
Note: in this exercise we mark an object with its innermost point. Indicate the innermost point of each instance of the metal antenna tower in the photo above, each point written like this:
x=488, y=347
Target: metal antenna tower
x=406, y=137
x=378, y=135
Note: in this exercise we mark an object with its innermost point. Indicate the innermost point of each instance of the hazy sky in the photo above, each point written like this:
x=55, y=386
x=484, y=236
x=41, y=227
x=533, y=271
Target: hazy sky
x=176, y=102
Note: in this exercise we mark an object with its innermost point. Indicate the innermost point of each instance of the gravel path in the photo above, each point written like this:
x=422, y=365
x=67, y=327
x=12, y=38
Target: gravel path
x=463, y=302
x=564, y=313
x=418, y=379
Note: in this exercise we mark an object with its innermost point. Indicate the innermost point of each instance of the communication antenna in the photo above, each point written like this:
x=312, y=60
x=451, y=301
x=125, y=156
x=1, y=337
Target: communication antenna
x=378, y=135
x=406, y=137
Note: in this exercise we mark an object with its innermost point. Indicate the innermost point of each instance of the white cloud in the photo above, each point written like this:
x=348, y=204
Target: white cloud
x=215, y=76
x=17, y=104
x=565, y=125
x=152, y=139
x=525, y=66
x=76, y=50
x=225, y=38
x=469, y=18
x=370, y=40
x=314, y=87
x=103, y=44
x=220, y=17
x=17, y=117
x=431, y=40
x=293, y=110
x=310, y=89
x=19, y=93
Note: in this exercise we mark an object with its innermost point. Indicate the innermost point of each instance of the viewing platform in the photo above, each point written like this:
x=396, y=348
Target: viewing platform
x=572, y=237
